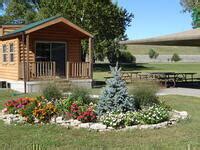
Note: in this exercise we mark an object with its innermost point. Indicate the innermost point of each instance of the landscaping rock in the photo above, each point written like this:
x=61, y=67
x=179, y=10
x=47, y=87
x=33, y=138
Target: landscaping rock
x=98, y=126
x=8, y=121
x=59, y=120
x=129, y=128
x=85, y=125
x=75, y=123
x=183, y=115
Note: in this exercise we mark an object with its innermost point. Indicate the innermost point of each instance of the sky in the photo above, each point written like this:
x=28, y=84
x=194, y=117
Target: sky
x=155, y=17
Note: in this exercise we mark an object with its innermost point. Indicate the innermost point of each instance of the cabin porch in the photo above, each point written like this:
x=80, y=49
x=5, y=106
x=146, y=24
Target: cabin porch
x=47, y=70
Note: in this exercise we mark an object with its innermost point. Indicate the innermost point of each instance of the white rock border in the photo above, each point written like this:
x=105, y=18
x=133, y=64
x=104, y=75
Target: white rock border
x=176, y=116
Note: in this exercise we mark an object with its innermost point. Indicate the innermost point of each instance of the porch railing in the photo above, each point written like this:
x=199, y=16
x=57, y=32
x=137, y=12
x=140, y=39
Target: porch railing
x=78, y=70
x=39, y=70
x=47, y=70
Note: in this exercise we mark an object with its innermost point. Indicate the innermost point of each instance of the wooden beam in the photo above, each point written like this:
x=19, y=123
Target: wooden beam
x=24, y=63
x=27, y=59
x=91, y=56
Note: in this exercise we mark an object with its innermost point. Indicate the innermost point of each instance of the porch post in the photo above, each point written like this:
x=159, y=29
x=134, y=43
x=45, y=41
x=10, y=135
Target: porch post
x=27, y=59
x=91, y=56
x=24, y=63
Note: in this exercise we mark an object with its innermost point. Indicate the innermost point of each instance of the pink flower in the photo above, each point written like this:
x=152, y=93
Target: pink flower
x=4, y=110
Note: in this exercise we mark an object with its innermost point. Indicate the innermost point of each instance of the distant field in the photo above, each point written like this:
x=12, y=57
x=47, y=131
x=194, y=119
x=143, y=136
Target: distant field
x=163, y=50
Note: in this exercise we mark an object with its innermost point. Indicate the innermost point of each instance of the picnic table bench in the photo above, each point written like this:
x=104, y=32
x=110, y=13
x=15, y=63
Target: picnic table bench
x=127, y=75
x=173, y=78
x=168, y=78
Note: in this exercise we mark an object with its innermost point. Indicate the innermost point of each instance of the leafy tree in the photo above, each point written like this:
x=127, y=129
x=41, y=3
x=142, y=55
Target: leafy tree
x=104, y=19
x=175, y=57
x=188, y=5
x=192, y=6
x=115, y=96
x=126, y=57
x=153, y=54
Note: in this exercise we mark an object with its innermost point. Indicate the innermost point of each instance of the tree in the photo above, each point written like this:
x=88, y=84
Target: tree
x=192, y=6
x=189, y=5
x=115, y=96
x=175, y=57
x=153, y=54
x=104, y=19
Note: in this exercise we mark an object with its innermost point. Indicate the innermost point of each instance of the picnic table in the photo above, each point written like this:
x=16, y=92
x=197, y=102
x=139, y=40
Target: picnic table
x=127, y=75
x=168, y=78
x=173, y=77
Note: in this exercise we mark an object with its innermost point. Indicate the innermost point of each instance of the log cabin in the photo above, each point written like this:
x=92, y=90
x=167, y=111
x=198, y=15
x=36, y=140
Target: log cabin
x=43, y=51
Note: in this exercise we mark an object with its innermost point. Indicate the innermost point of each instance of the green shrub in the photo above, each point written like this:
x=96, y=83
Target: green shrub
x=131, y=118
x=119, y=120
x=51, y=91
x=81, y=95
x=27, y=111
x=126, y=57
x=144, y=94
x=175, y=57
x=115, y=120
x=154, y=114
x=153, y=54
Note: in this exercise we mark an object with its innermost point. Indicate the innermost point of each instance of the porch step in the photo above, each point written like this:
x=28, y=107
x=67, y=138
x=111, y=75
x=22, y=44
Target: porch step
x=63, y=84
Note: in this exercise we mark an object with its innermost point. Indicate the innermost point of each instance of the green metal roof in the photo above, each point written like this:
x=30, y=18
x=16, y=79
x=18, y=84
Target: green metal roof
x=33, y=25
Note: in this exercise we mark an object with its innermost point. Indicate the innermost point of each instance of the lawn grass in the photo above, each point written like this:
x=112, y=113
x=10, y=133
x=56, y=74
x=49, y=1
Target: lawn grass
x=99, y=73
x=163, y=50
x=185, y=134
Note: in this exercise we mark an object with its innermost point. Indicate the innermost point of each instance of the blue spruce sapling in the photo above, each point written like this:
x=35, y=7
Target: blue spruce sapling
x=115, y=96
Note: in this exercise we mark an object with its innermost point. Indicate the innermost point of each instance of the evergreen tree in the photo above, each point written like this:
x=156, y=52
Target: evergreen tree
x=115, y=95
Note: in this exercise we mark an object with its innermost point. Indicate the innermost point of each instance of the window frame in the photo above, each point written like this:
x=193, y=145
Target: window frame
x=4, y=53
x=11, y=52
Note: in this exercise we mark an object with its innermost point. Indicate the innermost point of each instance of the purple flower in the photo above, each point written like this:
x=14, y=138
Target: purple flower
x=20, y=106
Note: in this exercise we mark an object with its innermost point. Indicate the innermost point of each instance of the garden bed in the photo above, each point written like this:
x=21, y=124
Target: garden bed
x=176, y=116
x=114, y=109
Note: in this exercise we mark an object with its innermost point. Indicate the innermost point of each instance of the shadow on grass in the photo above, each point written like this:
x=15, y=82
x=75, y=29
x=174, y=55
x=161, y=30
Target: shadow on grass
x=103, y=67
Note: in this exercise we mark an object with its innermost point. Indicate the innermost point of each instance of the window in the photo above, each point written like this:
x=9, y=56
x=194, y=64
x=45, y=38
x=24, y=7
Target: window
x=4, y=53
x=11, y=52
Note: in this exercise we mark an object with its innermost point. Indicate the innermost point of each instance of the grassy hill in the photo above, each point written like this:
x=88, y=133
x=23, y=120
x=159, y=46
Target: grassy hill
x=163, y=50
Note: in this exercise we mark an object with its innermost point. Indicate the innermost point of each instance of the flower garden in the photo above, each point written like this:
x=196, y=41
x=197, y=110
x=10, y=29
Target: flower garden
x=115, y=109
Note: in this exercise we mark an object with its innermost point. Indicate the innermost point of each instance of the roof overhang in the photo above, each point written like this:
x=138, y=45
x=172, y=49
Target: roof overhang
x=187, y=38
x=58, y=20
x=47, y=24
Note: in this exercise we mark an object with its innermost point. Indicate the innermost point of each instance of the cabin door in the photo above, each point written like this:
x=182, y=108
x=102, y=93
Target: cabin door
x=52, y=52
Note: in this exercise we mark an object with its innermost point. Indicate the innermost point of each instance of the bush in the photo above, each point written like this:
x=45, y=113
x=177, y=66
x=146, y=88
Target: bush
x=44, y=112
x=144, y=94
x=115, y=120
x=87, y=116
x=126, y=57
x=52, y=92
x=119, y=120
x=115, y=96
x=153, y=54
x=175, y=57
x=81, y=95
x=154, y=115
x=27, y=112
x=14, y=106
x=131, y=118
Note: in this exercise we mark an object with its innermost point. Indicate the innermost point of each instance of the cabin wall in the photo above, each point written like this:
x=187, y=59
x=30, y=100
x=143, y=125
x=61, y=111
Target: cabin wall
x=5, y=29
x=54, y=34
x=9, y=70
